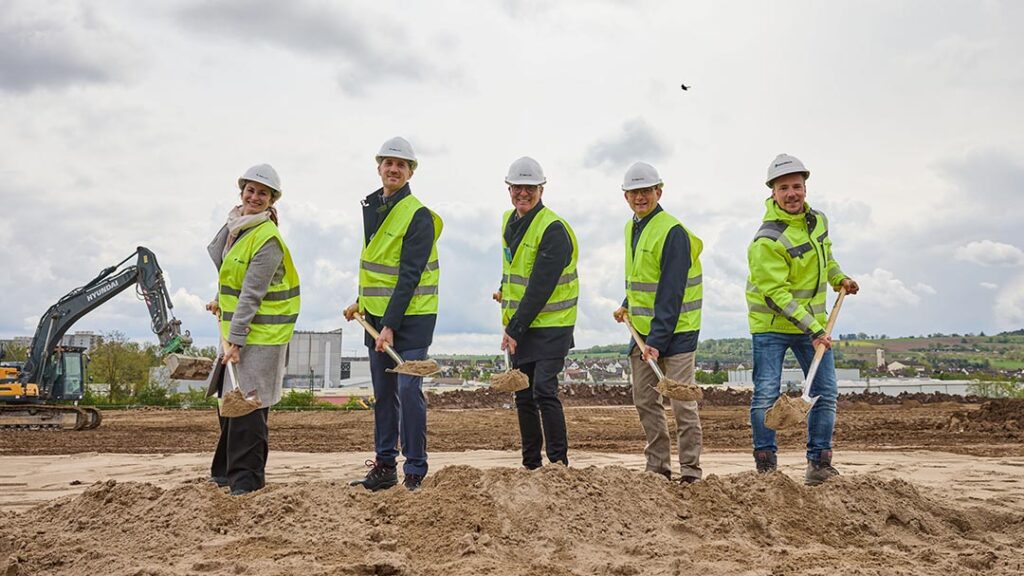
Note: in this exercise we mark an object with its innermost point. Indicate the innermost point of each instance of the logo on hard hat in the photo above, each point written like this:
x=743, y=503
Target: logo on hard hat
x=783, y=163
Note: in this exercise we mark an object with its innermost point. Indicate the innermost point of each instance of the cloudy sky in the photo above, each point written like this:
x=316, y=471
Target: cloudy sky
x=127, y=123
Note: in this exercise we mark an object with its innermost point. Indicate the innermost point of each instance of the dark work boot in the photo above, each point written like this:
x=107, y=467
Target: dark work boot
x=820, y=470
x=412, y=482
x=766, y=461
x=380, y=477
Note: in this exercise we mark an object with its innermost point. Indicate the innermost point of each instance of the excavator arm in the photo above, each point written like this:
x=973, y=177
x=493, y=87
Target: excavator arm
x=148, y=278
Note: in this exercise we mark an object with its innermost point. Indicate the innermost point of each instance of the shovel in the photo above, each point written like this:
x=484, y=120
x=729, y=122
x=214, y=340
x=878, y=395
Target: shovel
x=411, y=367
x=666, y=386
x=786, y=411
x=234, y=403
x=510, y=380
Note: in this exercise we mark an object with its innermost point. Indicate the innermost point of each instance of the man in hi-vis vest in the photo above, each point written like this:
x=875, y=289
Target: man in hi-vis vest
x=539, y=290
x=663, y=301
x=398, y=274
x=791, y=268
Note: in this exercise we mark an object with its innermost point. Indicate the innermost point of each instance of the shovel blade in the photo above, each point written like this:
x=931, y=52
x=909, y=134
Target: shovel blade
x=416, y=368
x=788, y=412
x=235, y=405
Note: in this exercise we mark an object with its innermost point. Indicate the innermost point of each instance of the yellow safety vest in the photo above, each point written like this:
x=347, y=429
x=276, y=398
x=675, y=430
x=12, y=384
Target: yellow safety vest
x=560, y=309
x=643, y=272
x=379, y=264
x=275, y=318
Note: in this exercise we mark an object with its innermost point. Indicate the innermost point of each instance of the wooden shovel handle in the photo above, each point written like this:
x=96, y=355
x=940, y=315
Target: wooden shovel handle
x=643, y=348
x=373, y=332
x=819, y=350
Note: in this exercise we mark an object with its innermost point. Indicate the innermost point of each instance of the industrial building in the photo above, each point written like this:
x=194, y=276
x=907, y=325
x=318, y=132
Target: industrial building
x=314, y=361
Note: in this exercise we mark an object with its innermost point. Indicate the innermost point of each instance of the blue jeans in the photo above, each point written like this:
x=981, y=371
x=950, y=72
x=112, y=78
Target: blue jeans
x=399, y=412
x=769, y=351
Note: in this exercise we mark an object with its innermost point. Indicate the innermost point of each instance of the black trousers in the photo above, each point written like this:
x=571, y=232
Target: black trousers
x=541, y=419
x=241, y=454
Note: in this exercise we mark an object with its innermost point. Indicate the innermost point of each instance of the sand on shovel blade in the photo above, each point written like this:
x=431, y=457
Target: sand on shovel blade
x=511, y=381
x=787, y=412
x=679, y=391
x=416, y=368
x=235, y=405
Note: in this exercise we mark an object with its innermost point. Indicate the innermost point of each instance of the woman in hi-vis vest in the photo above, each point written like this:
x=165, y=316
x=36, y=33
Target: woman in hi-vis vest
x=257, y=303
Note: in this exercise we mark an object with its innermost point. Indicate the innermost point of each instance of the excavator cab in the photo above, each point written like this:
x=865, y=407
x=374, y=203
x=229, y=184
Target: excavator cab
x=67, y=365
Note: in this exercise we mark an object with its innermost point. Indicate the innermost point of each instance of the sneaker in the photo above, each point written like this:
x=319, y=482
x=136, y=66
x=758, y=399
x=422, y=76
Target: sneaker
x=820, y=470
x=380, y=477
x=412, y=482
x=220, y=481
x=241, y=492
x=766, y=461
x=687, y=480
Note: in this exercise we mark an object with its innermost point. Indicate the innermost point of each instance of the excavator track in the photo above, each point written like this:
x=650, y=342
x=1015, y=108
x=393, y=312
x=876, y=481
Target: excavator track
x=43, y=417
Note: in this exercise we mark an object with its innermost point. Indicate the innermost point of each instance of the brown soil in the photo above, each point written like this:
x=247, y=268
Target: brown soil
x=679, y=391
x=235, y=405
x=417, y=367
x=951, y=427
x=552, y=521
x=511, y=381
x=786, y=412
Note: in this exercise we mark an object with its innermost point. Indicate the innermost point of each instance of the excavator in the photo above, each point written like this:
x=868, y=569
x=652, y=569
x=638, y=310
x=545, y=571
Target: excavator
x=54, y=373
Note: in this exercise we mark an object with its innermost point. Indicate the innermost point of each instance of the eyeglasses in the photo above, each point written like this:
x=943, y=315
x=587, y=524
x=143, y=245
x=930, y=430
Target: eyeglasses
x=523, y=188
x=649, y=191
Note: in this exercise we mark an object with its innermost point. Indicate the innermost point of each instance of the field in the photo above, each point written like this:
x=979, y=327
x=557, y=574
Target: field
x=927, y=488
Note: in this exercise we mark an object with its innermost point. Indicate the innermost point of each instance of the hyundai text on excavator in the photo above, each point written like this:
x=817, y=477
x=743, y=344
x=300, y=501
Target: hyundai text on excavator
x=54, y=373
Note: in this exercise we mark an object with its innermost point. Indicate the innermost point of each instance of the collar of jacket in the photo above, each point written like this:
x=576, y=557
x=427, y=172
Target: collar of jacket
x=376, y=198
x=516, y=218
x=773, y=212
x=643, y=221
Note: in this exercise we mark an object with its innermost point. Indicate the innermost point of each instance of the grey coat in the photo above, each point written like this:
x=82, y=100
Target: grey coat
x=259, y=367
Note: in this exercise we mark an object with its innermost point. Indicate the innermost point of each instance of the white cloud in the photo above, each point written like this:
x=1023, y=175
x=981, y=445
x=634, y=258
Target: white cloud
x=989, y=285
x=1009, y=305
x=989, y=253
x=63, y=45
x=881, y=288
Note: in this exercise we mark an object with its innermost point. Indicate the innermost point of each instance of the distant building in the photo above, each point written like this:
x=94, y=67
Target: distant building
x=879, y=358
x=791, y=377
x=314, y=361
x=84, y=339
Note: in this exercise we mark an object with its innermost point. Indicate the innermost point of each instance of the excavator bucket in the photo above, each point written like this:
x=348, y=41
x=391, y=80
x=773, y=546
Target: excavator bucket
x=188, y=367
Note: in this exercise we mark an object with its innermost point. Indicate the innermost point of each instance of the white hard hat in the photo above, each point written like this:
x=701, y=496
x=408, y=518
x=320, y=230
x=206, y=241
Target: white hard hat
x=264, y=174
x=526, y=171
x=640, y=175
x=397, y=147
x=785, y=164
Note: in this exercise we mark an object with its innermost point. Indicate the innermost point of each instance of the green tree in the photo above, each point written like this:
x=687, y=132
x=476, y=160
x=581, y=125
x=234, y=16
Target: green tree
x=14, y=353
x=122, y=364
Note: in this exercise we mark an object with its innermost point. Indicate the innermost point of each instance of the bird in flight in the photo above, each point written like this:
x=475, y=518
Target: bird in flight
x=684, y=86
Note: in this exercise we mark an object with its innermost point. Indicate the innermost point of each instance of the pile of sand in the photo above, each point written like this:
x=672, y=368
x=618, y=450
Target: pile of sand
x=553, y=521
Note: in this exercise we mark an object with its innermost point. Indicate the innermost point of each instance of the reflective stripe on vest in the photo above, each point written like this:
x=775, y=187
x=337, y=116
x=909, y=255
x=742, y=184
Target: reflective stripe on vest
x=380, y=263
x=275, y=318
x=643, y=272
x=560, y=309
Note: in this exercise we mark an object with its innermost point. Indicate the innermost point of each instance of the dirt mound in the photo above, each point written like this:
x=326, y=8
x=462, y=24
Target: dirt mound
x=878, y=399
x=580, y=394
x=555, y=520
x=1004, y=416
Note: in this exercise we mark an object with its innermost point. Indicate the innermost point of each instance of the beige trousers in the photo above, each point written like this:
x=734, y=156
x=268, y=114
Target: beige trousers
x=679, y=367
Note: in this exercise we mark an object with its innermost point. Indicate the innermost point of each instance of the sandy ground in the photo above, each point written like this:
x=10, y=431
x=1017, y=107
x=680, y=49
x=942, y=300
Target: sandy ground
x=926, y=489
x=31, y=480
